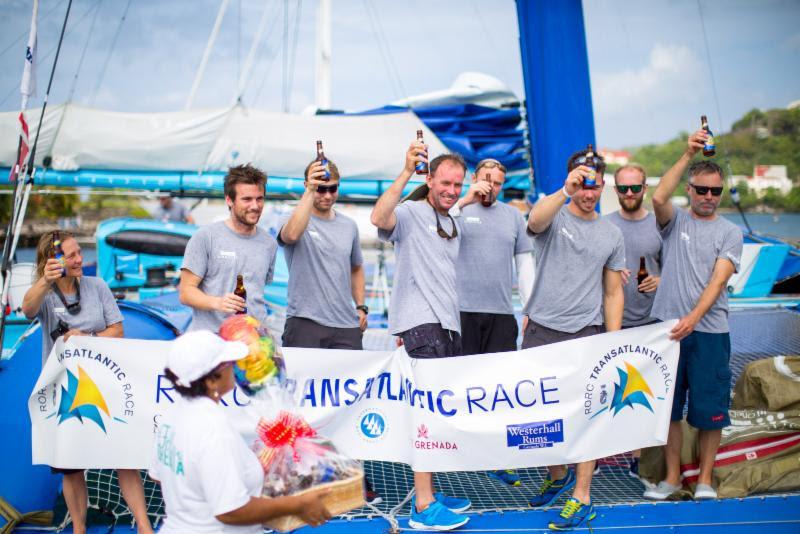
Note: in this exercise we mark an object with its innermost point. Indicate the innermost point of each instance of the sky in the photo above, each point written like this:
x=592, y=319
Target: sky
x=651, y=72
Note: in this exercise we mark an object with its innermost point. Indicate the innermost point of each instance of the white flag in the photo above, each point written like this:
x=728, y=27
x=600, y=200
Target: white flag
x=28, y=87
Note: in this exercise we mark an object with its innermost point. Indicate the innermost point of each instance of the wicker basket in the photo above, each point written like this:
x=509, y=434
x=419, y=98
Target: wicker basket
x=345, y=495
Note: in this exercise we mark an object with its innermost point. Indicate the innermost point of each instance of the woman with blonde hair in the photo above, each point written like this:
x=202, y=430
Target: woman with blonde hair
x=70, y=304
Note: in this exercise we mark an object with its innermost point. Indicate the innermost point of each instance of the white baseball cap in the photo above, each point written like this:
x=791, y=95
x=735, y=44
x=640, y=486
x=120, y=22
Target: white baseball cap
x=197, y=353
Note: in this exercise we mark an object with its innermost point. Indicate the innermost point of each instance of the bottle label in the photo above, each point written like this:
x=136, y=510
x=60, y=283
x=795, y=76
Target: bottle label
x=327, y=169
x=591, y=180
x=710, y=143
x=421, y=166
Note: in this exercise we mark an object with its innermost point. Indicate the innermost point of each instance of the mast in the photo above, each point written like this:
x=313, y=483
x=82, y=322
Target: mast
x=198, y=77
x=322, y=77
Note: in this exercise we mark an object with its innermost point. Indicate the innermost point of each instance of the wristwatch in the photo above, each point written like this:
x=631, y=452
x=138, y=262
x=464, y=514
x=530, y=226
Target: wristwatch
x=364, y=308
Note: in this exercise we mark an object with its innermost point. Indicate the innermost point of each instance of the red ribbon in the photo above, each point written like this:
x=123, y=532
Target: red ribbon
x=282, y=432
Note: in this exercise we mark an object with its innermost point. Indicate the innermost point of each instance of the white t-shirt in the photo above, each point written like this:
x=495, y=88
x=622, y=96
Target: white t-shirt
x=205, y=469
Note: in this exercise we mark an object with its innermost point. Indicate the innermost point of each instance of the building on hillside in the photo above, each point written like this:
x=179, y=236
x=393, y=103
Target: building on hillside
x=615, y=157
x=766, y=176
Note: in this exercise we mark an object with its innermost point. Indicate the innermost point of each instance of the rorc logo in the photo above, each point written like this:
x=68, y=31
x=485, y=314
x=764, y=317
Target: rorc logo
x=372, y=424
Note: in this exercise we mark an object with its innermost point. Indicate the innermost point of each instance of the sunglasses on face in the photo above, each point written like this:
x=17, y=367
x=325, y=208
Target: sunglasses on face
x=702, y=190
x=440, y=230
x=490, y=163
x=322, y=189
x=635, y=189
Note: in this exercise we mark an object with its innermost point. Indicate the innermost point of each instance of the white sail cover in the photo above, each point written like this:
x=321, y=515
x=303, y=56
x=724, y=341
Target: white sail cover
x=369, y=147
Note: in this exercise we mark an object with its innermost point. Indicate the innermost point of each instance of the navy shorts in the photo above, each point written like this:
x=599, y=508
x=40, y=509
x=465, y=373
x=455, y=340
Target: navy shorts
x=430, y=340
x=704, y=373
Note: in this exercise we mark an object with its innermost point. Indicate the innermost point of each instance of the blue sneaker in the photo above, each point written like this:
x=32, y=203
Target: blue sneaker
x=506, y=476
x=435, y=517
x=454, y=504
x=552, y=489
x=573, y=515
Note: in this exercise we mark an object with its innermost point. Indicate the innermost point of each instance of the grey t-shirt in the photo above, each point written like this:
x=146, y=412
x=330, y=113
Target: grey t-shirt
x=217, y=254
x=691, y=249
x=492, y=237
x=320, y=266
x=99, y=310
x=424, y=289
x=571, y=253
x=642, y=238
x=177, y=212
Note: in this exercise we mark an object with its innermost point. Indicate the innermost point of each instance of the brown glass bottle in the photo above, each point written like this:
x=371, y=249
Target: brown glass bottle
x=240, y=291
x=58, y=252
x=322, y=159
x=487, y=200
x=709, y=148
x=590, y=181
x=422, y=166
x=642, y=274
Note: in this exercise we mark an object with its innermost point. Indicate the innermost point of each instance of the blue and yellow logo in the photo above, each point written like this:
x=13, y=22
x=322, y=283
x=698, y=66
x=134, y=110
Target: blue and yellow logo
x=631, y=389
x=82, y=399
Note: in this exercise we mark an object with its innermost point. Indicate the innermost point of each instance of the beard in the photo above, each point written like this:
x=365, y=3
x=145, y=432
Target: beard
x=631, y=205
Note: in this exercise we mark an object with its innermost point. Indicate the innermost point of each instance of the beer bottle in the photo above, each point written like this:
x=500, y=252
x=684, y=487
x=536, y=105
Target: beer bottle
x=642, y=274
x=59, y=253
x=709, y=149
x=322, y=159
x=240, y=291
x=591, y=180
x=487, y=200
x=422, y=166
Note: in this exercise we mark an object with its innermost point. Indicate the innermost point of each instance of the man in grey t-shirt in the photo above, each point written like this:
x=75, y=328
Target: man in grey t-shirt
x=170, y=210
x=424, y=306
x=701, y=252
x=577, y=291
x=642, y=240
x=217, y=253
x=493, y=237
x=326, y=274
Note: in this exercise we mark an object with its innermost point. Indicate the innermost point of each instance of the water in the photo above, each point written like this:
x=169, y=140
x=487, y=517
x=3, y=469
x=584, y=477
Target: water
x=783, y=225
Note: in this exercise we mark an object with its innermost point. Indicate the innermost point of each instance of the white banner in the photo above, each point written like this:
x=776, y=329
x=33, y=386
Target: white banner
x=98, y=402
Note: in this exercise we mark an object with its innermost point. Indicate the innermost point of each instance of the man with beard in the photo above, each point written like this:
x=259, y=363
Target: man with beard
x=578, y=290
x=424, y=307
x=701, y=252
x=221, y=251
x=326, y=277
x=642, y=240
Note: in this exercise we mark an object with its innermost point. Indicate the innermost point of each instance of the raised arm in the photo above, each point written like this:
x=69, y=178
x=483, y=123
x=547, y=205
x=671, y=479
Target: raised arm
x=298, y=222
x=545, y=210
x=34, y=297
x=383, y=213
x=662, y=198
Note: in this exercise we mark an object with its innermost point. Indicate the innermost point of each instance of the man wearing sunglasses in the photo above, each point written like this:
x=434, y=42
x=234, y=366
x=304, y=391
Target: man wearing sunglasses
x=423, y=311
x=577, y=293
x=701, y=252
x=326, y=276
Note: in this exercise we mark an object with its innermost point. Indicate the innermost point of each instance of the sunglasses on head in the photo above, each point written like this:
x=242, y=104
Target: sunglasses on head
x=623, y=189
x=440, y=230
x=593, y=161
x=322, y=189
x=490, y=163
x=702, y=190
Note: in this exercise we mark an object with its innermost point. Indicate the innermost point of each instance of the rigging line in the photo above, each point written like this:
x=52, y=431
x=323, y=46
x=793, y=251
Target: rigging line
x=382, y=35
x=83, y=52
x=392, y=82
x=239, y=41
x=108, y=55
x=251, y=55
x=725, y=154
x=25, y=33
x=293, y=63
x=285, y=71
x=270, y=60
x=54, y=49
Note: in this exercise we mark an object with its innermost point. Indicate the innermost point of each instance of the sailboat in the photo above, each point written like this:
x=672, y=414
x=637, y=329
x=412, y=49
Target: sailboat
x=188, y=153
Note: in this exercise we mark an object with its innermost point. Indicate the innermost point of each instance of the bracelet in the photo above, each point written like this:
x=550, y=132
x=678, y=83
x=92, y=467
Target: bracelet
x=564, y=190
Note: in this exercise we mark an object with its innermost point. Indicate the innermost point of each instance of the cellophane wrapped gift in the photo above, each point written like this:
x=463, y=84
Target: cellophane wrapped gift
x=295, y=458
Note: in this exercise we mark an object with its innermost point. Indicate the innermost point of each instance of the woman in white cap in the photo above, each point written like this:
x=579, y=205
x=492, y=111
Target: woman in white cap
x=210, y=479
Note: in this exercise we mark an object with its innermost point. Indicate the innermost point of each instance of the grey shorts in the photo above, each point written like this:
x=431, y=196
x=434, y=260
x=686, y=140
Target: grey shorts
x=302, y=332
x=537, y=335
